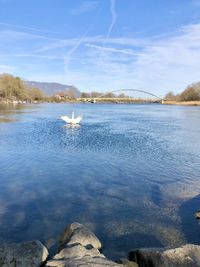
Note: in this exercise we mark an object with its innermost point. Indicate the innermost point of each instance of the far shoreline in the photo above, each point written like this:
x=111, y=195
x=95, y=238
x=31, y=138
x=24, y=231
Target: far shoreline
x=103, y=101
x=182, y=103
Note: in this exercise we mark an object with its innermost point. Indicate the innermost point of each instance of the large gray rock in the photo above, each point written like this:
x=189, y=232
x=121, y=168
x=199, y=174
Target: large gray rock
x=78, y=251
x=83, y=262
x=26, y=254
x=185, y=256
x=128, y=263
x=87, y=260
x=77, y=233
x=79, y=247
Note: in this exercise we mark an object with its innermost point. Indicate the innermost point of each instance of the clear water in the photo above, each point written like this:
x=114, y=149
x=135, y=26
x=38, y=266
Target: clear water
x=130, y=172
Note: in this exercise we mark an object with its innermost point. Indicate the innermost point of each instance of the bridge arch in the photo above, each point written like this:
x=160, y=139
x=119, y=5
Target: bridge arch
x=133, y=90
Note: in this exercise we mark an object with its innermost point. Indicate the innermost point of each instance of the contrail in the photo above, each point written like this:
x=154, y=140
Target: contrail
x=67, y=59
x=109, y=49
x=28, y=28
x=113, y=21
x=114, y=17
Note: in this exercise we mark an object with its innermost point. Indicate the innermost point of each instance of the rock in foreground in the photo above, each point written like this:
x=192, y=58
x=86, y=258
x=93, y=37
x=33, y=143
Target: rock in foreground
x=26, y=254
x=77, y=233
x=79, y=247
x=185, y=256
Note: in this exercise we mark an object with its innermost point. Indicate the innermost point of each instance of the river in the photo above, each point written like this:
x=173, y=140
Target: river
x=131, y=172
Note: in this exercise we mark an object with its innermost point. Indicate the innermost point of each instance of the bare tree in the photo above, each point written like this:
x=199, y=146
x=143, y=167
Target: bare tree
x=170, y=96
x=190, y=94
x=85, y=95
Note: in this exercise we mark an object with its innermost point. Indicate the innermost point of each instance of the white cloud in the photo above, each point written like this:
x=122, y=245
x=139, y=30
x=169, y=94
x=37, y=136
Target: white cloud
x=85, y=7
x=168, y=63
x=171, y=63
x=159, y=64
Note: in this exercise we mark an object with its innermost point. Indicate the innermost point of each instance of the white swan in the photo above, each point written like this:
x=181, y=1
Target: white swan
x=71, y=120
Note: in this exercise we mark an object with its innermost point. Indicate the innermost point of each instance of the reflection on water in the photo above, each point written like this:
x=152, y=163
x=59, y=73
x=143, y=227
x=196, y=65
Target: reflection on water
x=4, y=119
x=8, y=112
x=72, y=126
x=126, y=173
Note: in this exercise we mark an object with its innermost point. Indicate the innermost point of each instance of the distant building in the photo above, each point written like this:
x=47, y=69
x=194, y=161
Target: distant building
x=61, y=96
x=58, y=97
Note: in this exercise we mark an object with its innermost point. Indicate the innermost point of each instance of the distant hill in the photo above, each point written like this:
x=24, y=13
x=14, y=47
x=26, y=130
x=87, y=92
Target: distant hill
x=52, y=88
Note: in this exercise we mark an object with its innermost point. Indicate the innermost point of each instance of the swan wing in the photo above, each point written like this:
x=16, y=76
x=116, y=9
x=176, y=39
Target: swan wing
x=66, y=119
x=78, y=119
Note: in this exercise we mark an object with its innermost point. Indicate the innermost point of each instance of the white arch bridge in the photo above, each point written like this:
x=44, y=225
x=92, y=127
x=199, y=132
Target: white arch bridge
x=104, y=95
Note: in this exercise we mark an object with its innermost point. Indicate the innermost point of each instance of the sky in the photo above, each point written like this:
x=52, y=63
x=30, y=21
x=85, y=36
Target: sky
x=102, y=45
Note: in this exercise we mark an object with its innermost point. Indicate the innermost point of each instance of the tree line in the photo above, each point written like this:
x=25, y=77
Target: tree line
x=191, y=93
x=104, y=95
x=13, y=88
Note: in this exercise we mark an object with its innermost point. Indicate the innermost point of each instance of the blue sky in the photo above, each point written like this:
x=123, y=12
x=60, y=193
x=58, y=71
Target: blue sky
x=102, y=44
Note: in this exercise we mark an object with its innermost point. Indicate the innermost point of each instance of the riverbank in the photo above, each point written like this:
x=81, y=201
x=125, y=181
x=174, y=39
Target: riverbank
x=183, y=103
x=78, y=246
x=118, y=100
x=108, y=101
x=83, y=100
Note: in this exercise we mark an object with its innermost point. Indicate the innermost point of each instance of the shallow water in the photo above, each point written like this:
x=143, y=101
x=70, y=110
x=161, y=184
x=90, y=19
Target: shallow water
x=129, y=172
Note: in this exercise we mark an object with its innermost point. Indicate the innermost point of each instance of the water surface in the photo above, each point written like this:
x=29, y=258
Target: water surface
x=130, y=172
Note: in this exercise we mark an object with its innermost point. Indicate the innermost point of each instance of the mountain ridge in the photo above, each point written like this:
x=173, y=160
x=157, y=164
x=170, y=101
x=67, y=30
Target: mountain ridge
x=52, y=88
